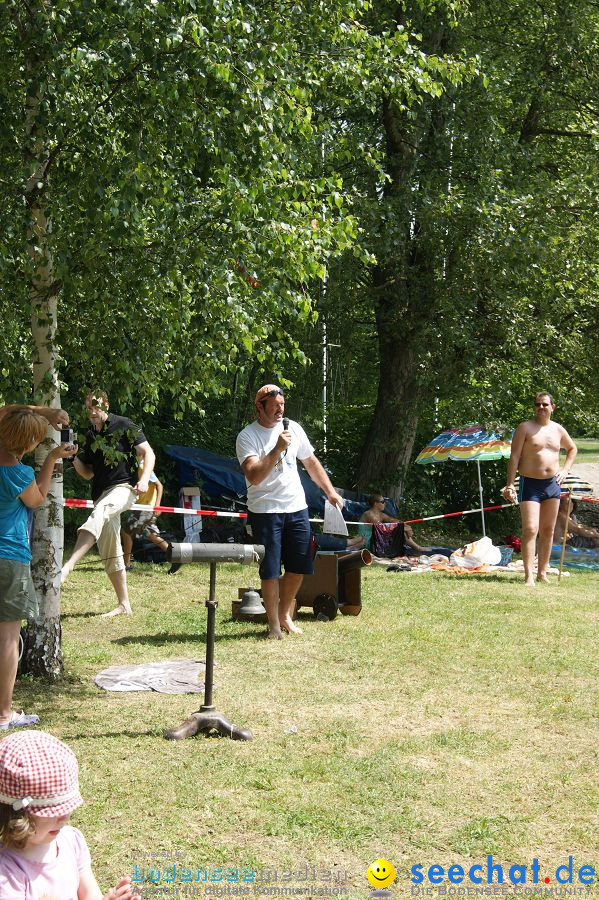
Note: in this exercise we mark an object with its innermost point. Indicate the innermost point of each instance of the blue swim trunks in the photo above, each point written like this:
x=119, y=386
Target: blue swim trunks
x=286, y=539
x=538, y=489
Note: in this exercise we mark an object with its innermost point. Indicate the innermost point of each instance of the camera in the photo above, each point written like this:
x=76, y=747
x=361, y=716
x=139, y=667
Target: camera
x=67, y=436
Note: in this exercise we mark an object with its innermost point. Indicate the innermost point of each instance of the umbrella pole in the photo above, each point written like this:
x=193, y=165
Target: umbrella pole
x=480, y=491
x=561, y=559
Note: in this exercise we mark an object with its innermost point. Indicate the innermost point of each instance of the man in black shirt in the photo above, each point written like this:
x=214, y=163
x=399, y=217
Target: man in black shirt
x=114, y=447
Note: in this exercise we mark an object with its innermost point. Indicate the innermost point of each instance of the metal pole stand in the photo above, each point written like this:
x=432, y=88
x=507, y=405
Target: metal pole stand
x=208, y=719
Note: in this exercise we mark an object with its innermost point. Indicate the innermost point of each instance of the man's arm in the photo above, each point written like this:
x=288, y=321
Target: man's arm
x=82, y=469
x=159, y=493
x=148, y=457
x=55, y=417
x=577, y=528
x=509, y=491
x=256, y=469
x=408, y=538
x=318, y=475
x=571, y=449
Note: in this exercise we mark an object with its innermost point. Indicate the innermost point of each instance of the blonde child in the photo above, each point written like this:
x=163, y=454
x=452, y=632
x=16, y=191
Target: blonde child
x=42, y=857
x=21, y=430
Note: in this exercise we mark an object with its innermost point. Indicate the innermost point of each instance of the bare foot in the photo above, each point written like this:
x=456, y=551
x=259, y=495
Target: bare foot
x=290, y=628
x=543, y=579
x=356, y=543
x=274, y=636
x=64, y=574
x=117, y=611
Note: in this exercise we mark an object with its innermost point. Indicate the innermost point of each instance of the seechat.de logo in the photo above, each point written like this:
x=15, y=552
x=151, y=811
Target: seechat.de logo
x=493, y=873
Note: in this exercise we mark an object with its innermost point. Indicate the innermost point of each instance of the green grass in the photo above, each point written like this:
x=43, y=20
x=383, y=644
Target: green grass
x=588, y=451
x=455, y=717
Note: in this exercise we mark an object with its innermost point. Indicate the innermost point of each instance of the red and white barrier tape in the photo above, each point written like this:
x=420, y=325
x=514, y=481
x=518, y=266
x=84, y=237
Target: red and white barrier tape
x=88, y=504
x=181, y=510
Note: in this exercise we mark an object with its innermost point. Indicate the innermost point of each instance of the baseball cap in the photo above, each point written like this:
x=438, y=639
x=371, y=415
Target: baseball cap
x=39, y=773
x=268, y=390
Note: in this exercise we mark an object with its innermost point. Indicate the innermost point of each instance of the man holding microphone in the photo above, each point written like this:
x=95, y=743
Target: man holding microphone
x=268, y=450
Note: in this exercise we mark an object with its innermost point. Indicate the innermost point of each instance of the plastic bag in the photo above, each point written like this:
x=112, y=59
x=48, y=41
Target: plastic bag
x=478, y=553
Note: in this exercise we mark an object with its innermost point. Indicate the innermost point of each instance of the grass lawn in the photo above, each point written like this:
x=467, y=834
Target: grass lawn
x=588, y=451
x=454, y=718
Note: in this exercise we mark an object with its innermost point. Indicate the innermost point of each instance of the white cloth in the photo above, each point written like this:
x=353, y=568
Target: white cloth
x=281, y=491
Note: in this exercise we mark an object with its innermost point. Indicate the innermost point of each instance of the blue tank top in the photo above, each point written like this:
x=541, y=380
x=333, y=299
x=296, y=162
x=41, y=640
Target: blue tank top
x=14, y=542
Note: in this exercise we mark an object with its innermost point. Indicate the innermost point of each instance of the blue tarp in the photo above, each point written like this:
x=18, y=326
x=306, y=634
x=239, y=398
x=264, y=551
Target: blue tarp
x=221, y=477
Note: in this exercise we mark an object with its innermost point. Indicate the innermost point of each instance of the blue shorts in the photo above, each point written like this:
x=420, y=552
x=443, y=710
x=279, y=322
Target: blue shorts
x=538, y=489
x=286, y=539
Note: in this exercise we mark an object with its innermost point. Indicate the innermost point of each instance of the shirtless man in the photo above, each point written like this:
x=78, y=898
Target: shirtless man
x=535, y=454
x=578, y=535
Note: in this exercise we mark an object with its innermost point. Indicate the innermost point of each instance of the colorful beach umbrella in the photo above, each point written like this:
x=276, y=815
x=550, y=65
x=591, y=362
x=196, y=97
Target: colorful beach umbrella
x=472, y=443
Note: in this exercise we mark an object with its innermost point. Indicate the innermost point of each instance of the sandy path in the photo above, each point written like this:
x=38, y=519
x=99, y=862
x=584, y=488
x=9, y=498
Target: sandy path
x=590, y=472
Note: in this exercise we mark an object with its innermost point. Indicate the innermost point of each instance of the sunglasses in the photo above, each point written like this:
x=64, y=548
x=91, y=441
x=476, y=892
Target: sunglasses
x=277, y=393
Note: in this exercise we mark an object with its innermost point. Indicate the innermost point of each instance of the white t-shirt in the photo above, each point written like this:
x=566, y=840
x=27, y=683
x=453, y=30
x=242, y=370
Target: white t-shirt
x=281, y=490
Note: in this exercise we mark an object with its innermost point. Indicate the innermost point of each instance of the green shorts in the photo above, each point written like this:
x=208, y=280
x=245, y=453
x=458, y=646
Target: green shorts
x=17, y=593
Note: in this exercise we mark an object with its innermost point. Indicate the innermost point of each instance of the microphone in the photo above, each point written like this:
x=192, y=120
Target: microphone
x=285, y=424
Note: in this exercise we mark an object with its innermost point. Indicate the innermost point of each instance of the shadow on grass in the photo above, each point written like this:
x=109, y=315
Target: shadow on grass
x=163, y=639
x=80, y=615
x=151, y=732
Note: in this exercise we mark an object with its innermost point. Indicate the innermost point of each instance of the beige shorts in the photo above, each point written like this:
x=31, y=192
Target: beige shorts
x=105, y=524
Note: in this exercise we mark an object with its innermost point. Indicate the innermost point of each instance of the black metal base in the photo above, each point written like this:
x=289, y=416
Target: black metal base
x=207, y=720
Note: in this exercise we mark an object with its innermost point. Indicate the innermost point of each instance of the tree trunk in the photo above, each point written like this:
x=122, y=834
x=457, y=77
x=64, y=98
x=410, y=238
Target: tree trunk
x=43, y=655
x=388, y=446
x=404, y=284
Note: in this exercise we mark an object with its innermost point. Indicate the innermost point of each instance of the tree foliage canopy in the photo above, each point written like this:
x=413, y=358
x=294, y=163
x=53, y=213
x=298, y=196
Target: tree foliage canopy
x=202, y=165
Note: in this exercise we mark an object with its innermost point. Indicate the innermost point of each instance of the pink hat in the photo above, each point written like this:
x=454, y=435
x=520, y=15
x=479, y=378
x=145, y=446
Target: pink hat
x=39, y=773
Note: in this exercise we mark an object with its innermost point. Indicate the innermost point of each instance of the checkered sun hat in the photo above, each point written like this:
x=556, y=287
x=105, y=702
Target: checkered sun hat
x=39, y=773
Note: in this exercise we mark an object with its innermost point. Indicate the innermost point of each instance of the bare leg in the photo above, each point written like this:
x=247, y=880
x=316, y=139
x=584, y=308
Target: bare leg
x=127, y=542
x=529, y=511
x=270, y=599
x=9, y=660
x=119, y=583
x=85, y=540
x=547, y=520
x=159, y=541
x=288, y=587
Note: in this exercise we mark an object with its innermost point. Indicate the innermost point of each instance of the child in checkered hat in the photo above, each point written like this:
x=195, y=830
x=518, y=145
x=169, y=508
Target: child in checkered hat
x=42, y=857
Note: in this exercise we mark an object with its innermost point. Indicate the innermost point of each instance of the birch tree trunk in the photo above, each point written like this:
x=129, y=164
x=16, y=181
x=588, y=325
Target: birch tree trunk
x=42, y=654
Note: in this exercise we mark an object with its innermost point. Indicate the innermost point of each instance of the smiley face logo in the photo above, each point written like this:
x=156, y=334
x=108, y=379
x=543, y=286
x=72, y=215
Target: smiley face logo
x=380, y=873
